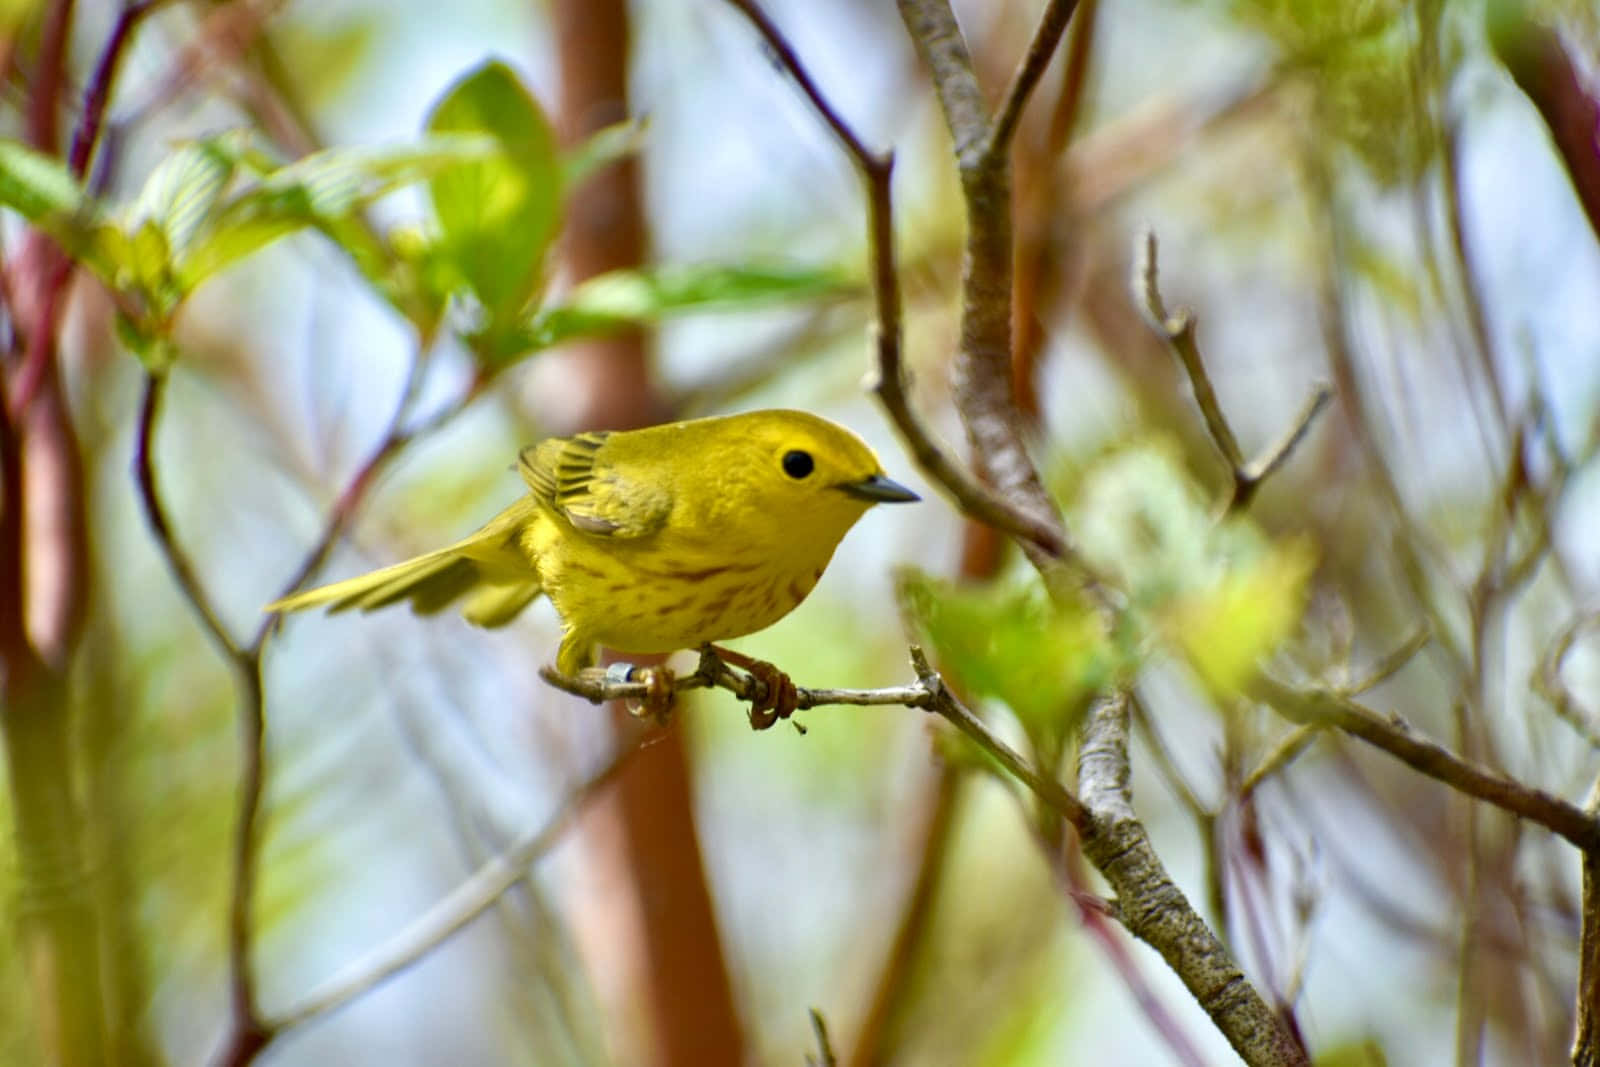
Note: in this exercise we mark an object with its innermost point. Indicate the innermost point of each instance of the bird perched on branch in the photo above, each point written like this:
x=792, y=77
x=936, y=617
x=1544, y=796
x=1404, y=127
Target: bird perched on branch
x=651, y=540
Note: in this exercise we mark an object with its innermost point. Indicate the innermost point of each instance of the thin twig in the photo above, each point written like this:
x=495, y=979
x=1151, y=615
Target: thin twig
x=246, y=1035
x=1285, y=752
x=98, y=94
x=1046, y=36
x=1550, y=685
x=1392, y=663
x=1329, y=708
x=825, y=1056
x=1260, y=469
x=889, y=382
x=1178, y=330
x=929, y=693
x=449, y=915
x=1586, y=1037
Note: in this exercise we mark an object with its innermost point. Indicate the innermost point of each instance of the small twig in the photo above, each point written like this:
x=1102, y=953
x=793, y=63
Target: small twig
x=449, y=915
x=246, y=1036
x=1328, y=708
x=1550, y=685
x=1178, y=330
x=825, y=1056
x=930, y=693
x=889, y=376
x=1586, y=1036
x=98, y=94
x=1285, y=752
x=1391, y=664
x=1264, y=466
x=1046, y=36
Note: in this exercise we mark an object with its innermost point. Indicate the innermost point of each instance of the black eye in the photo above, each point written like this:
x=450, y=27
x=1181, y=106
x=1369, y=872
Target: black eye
x=797, y=464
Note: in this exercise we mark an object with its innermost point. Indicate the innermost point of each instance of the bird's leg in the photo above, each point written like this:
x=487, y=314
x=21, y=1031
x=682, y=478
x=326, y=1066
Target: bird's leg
x=778, y=697
x=659, y=690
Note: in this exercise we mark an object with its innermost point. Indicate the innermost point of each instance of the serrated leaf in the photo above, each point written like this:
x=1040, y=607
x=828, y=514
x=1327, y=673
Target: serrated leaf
x=499, y=216
x=624, y=298
x=1008, y=641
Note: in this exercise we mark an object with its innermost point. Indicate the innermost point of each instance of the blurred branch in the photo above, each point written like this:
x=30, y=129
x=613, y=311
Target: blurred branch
x=1586, y=1040
x=1392, y=663
x=247, y=1034
x=1543, y=69
x=1046, y=36
x=1285, y=752
x=451, y=914
x=1550, y=685
x=825, y=1056
x=1178, y=329
x=981, y=378
x=890, y=383
x=98, y=93
x=1328, y=708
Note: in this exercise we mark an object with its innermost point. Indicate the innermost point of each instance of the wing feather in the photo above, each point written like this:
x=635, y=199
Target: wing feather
x=577, y=478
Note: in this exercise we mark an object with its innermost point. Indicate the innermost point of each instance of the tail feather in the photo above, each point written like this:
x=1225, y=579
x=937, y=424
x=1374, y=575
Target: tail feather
x=486, y=568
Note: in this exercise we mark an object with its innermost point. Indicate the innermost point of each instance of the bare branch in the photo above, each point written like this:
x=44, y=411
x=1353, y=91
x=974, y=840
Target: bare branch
x=1550, y=685
x=1046, y=36
x=1285, y=752
x=1178, y=330
x=1327, y=708
x=1586, y=1039
x=1391, y=664
x=450, y=915
x=889, y=378
x=930, y=693
x=1154, y=909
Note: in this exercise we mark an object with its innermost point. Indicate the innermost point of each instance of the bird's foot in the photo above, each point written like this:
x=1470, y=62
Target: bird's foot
x=659, y=690
x=776, y=696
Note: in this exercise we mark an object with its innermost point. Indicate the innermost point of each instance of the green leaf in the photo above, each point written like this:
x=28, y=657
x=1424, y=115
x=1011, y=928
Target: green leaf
x=1225, y=631
x=181, y=193
x=1007, y=640
x=43, y=191
x=499, y=216
x=622, y=298
x=37, y=186
x=1220, y=592
x=325, y=190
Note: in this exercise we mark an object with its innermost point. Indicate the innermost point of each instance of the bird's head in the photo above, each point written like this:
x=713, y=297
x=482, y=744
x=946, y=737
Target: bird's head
x=811, y=478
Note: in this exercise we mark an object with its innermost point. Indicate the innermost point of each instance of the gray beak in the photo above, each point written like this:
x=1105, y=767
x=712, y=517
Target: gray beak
x=880, y=490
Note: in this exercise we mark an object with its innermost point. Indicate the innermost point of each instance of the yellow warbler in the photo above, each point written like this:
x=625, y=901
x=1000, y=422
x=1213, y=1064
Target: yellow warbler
x=650, y=540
